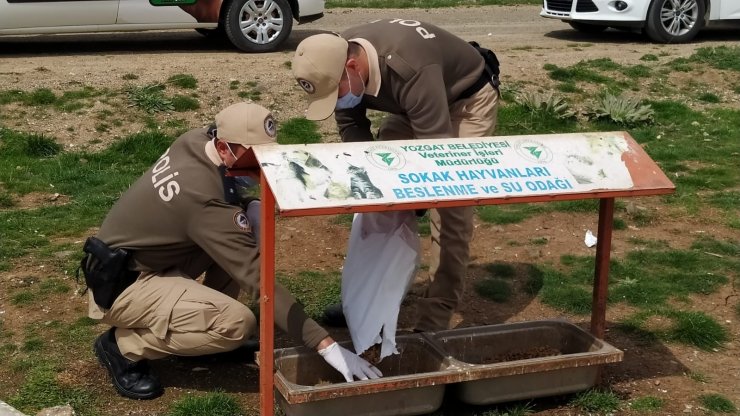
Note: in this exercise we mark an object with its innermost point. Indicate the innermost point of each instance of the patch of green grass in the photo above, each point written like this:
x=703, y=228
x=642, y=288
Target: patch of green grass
x=315, y=290
x=41, y=97
x=254, y=95
x=33, y=344
x=686, y=327
x=727, y=200
x=234, y=84
x=568, y=87
x=579, y=205
x=11, y=96
x=539, y=241
x=182, y=103
x=698, y=377
x=508, y=214
x=577, y=72
x=28, y=145
x=518, y=119
x=41, y=390
x=501, y=269
x=53, y=286
x=720, y=57
x=680, y=65
x=647, y=404
x=185, y=81
x=673, y=274
x=298, y=130
x=497, y=290
x=596, y=400
x=649, y=57
x=129, y=76
x=24, y=297
x=651, y=244
x=619, y=224
x=93, y=181
x=149, y=98
x=710, y=245
x=102, y=128
x=708, y=97
x=568, y=297
x=637, y=71
x=6, y=200
x=212, y=404
x=603, y=64
x=717, y=403
x=519, y=409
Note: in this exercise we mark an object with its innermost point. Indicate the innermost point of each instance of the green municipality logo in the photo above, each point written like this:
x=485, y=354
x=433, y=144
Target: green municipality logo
x=534, y=151
x=385, y=157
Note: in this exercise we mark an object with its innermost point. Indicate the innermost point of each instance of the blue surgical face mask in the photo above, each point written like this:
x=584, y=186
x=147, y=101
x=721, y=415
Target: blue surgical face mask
x=349, y=100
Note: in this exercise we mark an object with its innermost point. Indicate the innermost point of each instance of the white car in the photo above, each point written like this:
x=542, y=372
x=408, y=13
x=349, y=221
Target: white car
x=662, y=20
x=251, y=25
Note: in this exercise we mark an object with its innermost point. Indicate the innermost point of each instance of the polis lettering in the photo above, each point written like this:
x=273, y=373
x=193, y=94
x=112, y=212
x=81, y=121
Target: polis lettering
x=163, y=179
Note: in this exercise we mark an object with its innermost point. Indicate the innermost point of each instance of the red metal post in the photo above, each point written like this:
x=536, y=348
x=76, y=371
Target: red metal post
x=601, y=272
x=267, y=298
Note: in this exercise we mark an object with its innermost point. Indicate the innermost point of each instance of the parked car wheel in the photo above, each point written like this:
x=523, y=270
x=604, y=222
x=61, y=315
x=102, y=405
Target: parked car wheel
x=587, y=27
x=258, y=25
x=674, y=21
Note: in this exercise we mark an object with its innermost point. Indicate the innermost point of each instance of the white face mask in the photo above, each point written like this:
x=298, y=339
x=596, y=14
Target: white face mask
x=227, y=146
x=349, y=100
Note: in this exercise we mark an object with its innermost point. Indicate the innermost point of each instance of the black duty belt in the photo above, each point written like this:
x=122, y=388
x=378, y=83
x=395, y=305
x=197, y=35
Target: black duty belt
x=485, y=78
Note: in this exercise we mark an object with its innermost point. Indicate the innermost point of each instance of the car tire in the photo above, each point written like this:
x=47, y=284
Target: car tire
x=668, y=22
x=267, y=23
x=587, y=27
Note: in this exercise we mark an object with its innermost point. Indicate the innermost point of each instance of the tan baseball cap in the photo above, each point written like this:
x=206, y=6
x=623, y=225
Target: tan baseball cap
x=317, y=65
x=246, y=124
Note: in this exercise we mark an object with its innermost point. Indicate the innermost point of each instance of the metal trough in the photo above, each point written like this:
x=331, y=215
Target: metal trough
x=525, y=360
x=483, y=365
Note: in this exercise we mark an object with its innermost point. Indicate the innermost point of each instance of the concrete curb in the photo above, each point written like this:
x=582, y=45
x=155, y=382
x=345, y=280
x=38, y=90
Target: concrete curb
x=7, y=410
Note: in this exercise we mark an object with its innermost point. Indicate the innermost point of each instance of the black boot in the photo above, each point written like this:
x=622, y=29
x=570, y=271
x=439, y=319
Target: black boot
x=334, y=316
x=131, y=379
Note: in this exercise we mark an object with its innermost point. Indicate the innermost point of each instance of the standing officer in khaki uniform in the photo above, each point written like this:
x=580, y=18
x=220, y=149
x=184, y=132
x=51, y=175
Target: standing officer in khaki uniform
x=181, y=220
x=434, y=85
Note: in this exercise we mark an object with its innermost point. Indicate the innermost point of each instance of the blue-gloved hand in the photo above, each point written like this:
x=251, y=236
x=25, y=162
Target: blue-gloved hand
x=348, y=363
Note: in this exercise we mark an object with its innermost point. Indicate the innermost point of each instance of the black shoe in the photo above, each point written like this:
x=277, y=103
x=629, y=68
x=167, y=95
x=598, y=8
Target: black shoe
x=131, y=379
x=334, y=316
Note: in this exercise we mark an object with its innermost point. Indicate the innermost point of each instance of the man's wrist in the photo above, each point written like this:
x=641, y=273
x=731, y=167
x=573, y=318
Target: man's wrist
x=324, y=343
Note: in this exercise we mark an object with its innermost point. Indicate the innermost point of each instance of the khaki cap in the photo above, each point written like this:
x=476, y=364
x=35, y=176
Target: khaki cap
x=317, y=65
x=246, y=124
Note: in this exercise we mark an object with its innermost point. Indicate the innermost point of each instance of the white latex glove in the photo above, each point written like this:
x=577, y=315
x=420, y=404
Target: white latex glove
x=349, y=363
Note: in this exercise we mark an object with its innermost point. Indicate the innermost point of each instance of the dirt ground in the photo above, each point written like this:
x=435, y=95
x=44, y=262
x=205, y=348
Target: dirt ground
x=523, y=42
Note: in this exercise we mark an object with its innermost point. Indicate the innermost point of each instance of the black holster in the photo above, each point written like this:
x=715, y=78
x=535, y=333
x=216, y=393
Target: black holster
x=492, y=64
x=106, y=271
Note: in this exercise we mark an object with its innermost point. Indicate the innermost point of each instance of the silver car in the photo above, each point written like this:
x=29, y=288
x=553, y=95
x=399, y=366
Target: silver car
x=251, y=25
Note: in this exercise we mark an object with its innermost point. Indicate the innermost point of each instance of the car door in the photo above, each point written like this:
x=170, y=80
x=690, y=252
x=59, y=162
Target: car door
x=730, y=9
x=168, y=13
x=50, y=16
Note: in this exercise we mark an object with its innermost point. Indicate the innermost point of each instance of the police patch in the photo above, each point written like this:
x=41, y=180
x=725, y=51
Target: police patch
x=306, y=85
x=241, y=221
x=270, y=128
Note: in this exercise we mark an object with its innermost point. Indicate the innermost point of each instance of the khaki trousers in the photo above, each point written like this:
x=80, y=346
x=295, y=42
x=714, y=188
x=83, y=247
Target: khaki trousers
x=451, y=228
x=169, y=313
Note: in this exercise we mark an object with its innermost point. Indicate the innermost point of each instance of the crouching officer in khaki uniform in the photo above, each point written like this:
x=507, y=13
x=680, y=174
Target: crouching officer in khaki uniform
x=434, y=85
x=179, y=221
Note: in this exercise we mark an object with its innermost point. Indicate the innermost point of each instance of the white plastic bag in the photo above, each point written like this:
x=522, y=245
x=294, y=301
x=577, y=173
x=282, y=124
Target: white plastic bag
x=382, y=259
